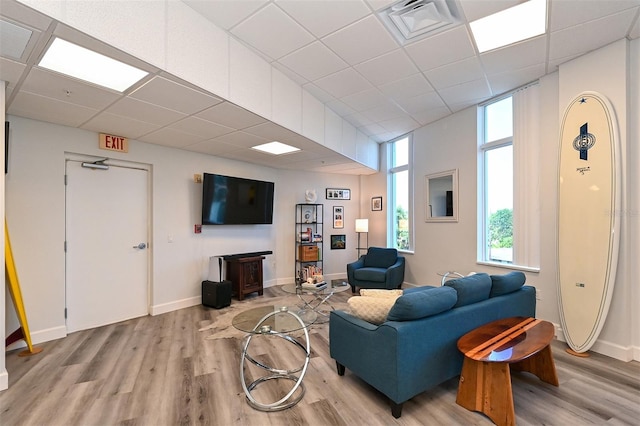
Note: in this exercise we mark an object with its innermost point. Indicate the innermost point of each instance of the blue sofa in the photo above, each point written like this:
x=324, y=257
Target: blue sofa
x=380, y=268
x=415, y=349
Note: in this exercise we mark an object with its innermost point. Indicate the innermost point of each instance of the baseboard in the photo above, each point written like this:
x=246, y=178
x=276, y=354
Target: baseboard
x=174, y=306
x=40, y=336
x=612, y=350
x=4, y=380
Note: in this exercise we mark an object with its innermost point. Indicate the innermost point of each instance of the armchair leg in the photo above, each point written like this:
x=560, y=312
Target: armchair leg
x=340, y=369
x=396, y=409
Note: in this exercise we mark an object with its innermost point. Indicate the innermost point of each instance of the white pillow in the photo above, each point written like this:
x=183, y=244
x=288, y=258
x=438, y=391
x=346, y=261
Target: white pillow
x=371, y=309
x=372, y=292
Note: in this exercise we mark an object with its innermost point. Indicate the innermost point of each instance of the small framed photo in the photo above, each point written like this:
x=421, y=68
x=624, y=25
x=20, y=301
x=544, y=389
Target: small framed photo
x=338, y=194
x=376, y=203
x=338, y=242
x=338, y=217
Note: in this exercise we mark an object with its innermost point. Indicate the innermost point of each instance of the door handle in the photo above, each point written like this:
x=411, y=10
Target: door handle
x=141, y=246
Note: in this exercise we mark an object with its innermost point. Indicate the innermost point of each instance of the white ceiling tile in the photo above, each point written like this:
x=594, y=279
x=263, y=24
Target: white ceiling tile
x=314, y=61
x=583, y=38
x=42, y=108
x=384, y=112
x=225, y=13
x=520, y=55
x=635, y=31
x=506, y=81
x=340, y=107
x=466, y=92
x=168, y=136
x=119, y=125
x=320, y=94
x=321, y=17
x=241, y=139
x=10, y=71
x=358, y=119
x=452, y=74
x=212, y=147
x=343, y=83
x=400, y=125
x=421, y=102
x=143, y=111
x=408, y=87
x=272, y=32
x=230, y=115
x=427, y=116
x=201, y=127
x=441, y=49
x=379, y=4
x=365, y=100
x=272, y=132
x=386, y=68
x=57, y=86
x=474, y=9
x=568, y=13
x=361, y=41
x=175, y=96
x=297, y=78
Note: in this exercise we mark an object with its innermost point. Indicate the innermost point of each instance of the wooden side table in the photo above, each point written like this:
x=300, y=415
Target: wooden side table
x=245, y=274
x=490, y=351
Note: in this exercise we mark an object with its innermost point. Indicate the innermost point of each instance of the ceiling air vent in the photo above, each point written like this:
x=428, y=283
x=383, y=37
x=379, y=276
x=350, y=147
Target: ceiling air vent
x=409, y=20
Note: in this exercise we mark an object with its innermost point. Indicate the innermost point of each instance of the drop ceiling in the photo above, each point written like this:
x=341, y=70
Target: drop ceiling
x=338, y=50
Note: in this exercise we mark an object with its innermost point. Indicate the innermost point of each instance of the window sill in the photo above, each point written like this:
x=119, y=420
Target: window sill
x=509, y=266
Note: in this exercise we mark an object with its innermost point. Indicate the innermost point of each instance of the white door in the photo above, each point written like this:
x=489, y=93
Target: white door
x=106, y=245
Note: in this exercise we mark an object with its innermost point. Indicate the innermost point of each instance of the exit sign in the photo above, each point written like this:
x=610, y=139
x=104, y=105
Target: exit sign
x=114, y=143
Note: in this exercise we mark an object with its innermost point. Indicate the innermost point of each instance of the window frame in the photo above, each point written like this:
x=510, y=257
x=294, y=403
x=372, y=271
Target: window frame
x=391, y=171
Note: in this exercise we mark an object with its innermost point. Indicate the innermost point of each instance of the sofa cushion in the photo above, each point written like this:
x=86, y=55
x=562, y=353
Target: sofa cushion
x=371, y=309
x=378, y=257
x=370, y=274
x=374, y=292
x=421, y=304
x=507, y=283
x=471, y=289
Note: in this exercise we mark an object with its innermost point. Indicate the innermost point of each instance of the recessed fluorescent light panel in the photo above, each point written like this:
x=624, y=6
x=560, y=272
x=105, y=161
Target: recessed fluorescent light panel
x=511, y=25
x=276, y=148
x=84, y=64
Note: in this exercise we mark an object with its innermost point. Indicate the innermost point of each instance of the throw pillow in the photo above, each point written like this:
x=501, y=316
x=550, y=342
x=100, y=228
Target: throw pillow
x=374, y=292
x=421, y=304
x=371, y=309
x=507, y=283
x=471, y=289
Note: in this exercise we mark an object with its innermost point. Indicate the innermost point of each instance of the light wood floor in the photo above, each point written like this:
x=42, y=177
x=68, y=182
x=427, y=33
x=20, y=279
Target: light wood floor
x=161, y=371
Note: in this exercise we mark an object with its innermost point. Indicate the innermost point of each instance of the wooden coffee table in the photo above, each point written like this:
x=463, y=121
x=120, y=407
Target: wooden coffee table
x=490, y=351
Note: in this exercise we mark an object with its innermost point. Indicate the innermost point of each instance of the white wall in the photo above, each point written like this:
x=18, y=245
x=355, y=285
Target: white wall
x=4, y=378
x=35, y=212
x=451, y=143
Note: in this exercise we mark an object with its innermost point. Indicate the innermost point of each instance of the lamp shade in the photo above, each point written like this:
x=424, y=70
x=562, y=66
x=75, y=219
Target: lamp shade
x=362, y=225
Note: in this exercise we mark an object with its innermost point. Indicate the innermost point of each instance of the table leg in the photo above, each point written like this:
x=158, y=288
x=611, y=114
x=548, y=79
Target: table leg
x=541, y=364
x=486, y=387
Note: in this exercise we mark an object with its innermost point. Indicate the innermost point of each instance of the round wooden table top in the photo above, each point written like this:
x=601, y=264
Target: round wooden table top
x=507, y=340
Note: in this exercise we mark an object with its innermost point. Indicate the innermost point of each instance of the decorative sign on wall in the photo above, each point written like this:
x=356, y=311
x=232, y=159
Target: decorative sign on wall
x=114, y=143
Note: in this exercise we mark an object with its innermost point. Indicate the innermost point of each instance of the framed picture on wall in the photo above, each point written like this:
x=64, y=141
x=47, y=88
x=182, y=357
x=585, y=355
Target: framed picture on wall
x=338, y=217
x=338, y=242
x=338, y=194
x=376, y=203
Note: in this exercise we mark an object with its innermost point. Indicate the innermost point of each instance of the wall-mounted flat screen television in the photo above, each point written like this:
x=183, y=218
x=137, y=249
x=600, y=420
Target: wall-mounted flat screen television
x=228, y=200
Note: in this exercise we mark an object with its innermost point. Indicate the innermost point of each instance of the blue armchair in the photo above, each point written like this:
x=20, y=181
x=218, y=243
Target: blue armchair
x=379, y=268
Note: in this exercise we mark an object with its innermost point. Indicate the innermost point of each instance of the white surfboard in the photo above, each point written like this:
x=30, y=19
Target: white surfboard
x=588, y=217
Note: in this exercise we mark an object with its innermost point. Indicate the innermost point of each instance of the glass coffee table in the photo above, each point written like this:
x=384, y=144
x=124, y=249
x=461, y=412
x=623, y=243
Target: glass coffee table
x=317, y=300
x=280, y=322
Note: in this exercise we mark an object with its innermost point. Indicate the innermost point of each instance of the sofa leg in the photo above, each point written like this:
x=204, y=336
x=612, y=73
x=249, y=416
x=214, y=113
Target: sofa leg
x=396, y=409
x=340, y=369
x=353, y=289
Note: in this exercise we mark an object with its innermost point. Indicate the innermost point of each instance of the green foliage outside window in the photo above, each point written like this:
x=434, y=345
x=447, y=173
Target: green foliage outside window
x=402, y=228
x=501, y=229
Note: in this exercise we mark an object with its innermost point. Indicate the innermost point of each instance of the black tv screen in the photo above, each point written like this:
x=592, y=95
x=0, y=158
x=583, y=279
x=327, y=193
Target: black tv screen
x=228, y=200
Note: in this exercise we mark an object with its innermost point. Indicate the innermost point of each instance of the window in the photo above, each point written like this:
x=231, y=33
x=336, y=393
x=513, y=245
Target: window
x=400, y=202
x=497, y=153
x=509, y=207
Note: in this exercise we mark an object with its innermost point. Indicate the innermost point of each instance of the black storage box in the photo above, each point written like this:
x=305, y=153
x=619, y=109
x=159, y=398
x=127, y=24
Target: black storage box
x=216, y=294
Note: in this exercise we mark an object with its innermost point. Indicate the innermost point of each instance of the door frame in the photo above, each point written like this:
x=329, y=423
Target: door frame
x=113, y=162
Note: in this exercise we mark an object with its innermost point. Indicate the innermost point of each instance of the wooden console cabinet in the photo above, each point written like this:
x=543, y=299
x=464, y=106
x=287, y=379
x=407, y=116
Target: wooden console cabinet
x=245, y=274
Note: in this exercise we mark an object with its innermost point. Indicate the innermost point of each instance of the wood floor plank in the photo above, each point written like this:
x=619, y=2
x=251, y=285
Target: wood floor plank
x=156, y=371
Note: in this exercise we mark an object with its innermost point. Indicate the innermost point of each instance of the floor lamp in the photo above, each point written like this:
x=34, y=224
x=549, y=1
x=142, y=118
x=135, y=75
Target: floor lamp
x=362, y=227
